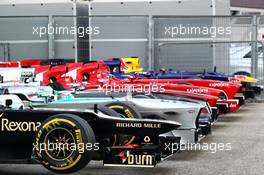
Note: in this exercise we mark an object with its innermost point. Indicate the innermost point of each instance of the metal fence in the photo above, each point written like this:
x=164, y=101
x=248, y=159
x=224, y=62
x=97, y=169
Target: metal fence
x=204, y=29
x=120, y=36
x=22, y=42
x=199, y=42
x=230, y=57
x=4, y=51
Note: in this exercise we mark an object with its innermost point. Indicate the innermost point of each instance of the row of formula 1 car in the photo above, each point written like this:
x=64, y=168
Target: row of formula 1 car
x=128, y=116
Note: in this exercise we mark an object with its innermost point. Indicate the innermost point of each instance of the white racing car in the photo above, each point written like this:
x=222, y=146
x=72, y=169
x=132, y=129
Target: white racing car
x=195, y=118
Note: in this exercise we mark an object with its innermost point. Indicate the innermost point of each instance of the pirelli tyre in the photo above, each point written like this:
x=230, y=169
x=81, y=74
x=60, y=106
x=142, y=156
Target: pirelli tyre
x=68, y=136
x=124, y=110
x=127, y=111
x=108, y=111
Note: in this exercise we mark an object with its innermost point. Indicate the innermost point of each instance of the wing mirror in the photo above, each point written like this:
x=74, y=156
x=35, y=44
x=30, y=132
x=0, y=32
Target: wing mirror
x=8, y=103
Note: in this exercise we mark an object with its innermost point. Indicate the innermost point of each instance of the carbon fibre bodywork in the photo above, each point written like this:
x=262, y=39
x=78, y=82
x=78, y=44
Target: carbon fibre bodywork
x=19, y=128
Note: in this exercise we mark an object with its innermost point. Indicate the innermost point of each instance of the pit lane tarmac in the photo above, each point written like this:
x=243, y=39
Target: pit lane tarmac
x=243, y=130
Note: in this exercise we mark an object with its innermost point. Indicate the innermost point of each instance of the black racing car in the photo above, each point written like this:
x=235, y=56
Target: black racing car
x=65, y=140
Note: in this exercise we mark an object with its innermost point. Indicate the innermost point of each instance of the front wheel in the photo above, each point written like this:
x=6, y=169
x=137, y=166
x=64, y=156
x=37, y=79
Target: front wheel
x=61, y=142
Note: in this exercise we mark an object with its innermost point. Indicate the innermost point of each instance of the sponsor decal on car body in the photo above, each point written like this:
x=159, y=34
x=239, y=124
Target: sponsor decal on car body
x=13, y=126
x=137, y=125
x=200, y=90
x=136, y=159
x=219, y=85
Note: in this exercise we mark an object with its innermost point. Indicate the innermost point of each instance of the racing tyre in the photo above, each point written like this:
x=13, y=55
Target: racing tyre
x=108, y=111
x=60, y=143
x=124, y=111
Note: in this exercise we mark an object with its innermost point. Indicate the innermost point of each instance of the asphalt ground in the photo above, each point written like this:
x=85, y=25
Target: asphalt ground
x=241, y=134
